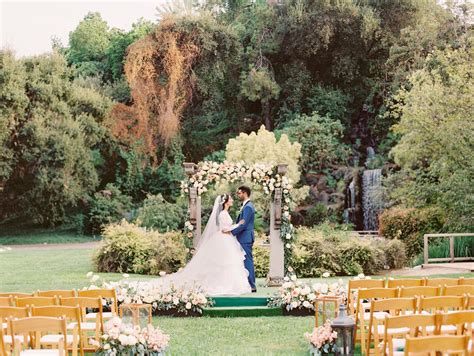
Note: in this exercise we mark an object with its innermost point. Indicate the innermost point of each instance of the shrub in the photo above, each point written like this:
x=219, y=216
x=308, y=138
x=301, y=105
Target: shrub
x=330, y=249
x=316, y=215
x=409, y=226
x=261, y=258
x=107, y=206
x=129, y=248
x=157, y=213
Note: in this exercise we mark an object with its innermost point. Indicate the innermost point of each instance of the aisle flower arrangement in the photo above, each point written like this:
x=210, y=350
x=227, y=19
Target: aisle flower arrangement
x=170, y=301
x=322, y=340
x=297, y=295
x=124, y=339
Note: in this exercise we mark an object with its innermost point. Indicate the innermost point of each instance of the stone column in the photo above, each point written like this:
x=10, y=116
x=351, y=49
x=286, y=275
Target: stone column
x=277, y=251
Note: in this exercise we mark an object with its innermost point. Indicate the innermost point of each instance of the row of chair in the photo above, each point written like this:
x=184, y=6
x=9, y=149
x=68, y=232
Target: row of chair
x=433, y=345
x=421, y=309
x=411, y=287
x=87, y=304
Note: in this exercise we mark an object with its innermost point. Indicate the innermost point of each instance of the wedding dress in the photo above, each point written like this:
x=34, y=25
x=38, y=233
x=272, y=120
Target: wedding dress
x=217, y=265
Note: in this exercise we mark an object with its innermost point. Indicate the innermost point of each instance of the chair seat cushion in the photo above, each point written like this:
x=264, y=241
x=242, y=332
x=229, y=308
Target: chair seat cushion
x=36, y=352
x=106, y=315
x=392, y=331
x=7, y=339
x=88, y=326
x=377, y=315
x=55, y=338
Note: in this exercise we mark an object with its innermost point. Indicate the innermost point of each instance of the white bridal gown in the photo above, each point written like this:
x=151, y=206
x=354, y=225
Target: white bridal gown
x=218, y=264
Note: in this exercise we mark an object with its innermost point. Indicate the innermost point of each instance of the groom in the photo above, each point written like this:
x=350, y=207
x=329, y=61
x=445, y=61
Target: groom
x=244, y=232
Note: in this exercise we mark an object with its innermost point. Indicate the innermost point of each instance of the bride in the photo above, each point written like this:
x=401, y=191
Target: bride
x=217, y=266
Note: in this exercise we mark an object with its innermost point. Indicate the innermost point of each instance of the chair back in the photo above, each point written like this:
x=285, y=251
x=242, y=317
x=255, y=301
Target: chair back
x=16, y=294
x=5, y=302
x=56, y=311
x=459, y=290
x=464, y=281
x=407, y=292
x=36, y=301
x=355, y=284
x=13, y=312
x=411, y=325
x=441, y=282
x=56, y=293
x=395, y=306
x=85, y=303
x=444, y=304
x=101, y=293
x=438, y=343
x=394, y=283
x=37, y=326
x=3, y=350
x=463, y=320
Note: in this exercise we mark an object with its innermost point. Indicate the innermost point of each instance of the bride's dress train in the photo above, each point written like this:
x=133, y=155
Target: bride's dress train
x=218, y=264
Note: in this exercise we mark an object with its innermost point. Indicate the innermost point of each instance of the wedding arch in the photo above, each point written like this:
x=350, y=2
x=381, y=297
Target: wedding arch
x=272, y=178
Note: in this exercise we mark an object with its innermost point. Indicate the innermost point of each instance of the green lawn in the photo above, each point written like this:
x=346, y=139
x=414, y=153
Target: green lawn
x=16, y=234
x=30, y=270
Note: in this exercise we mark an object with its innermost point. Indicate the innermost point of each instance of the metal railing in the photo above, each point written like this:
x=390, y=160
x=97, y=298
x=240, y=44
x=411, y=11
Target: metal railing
x=451, y=259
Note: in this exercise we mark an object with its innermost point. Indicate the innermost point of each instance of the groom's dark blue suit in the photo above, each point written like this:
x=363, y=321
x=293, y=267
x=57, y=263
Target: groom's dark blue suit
x=245, y=235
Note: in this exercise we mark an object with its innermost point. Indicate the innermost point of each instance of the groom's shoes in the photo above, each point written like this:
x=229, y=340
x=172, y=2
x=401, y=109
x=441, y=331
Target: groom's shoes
x=254, y=290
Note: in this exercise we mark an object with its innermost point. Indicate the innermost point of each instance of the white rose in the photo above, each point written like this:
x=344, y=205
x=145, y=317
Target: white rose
x=106, y=346
x=294, y=304
x=286, y=279
x=311, y=296
x=290, y=269
x=288, y=236
x=288, y=245
x=326, y=274
x=162, y=273
x=175, y=301
x=188, y=305
x=361, y=276
x=306, y=304
x=293, y=278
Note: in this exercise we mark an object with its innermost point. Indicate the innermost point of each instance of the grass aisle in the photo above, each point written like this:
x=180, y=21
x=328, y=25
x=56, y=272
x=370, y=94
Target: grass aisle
x=237, y=336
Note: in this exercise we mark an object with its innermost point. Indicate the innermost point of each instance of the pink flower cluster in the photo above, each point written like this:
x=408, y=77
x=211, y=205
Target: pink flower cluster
x=321, y=336
x=121, y=336
x=156, y=340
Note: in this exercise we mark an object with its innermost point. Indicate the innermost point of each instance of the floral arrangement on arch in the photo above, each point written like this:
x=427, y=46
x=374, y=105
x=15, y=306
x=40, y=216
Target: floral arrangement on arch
x=182, y=301
x=322, y=339
x=267, y=176
x=125, y=339
x=295, y=294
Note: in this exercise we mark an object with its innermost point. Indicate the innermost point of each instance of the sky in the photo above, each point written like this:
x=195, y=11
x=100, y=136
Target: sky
x=27, y=26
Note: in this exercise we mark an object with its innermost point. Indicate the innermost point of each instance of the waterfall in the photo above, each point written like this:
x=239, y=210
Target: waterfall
x=371, y=182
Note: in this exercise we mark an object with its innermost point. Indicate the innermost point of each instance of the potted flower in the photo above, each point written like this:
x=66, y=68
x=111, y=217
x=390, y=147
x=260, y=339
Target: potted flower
x=124, y=339
x=322, y=340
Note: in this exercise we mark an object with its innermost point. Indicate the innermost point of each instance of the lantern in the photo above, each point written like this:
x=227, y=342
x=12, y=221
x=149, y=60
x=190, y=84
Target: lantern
x=345, y=328
x=136, y=314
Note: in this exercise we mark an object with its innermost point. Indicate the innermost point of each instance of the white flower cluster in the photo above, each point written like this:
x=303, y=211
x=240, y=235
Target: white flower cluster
x=295, y=294
x=142, y=292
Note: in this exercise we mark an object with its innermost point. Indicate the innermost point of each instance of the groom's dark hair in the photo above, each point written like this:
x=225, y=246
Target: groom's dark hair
x=245, y=189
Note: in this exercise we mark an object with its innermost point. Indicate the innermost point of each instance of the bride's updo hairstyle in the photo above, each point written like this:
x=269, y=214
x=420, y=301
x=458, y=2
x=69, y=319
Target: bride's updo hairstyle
x=224, y=199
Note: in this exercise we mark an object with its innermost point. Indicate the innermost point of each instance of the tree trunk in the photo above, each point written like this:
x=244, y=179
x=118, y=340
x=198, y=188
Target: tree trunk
x=266, y=114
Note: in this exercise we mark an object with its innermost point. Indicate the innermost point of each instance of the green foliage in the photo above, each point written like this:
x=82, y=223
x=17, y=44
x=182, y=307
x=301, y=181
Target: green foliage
x=436, y=137
x=107, y=206
x=89, y=41
x=129, y=248
x=263, y=147
x=409, y=226
x=333, y=103
x=330, y=249
x=258, y=85
x=320, y=139
x=156, y=213
x=53, y=128
x=316, y=215
x=261, y=258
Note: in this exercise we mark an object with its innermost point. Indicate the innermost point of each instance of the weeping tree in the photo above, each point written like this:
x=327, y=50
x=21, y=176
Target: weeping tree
x=165, y=73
